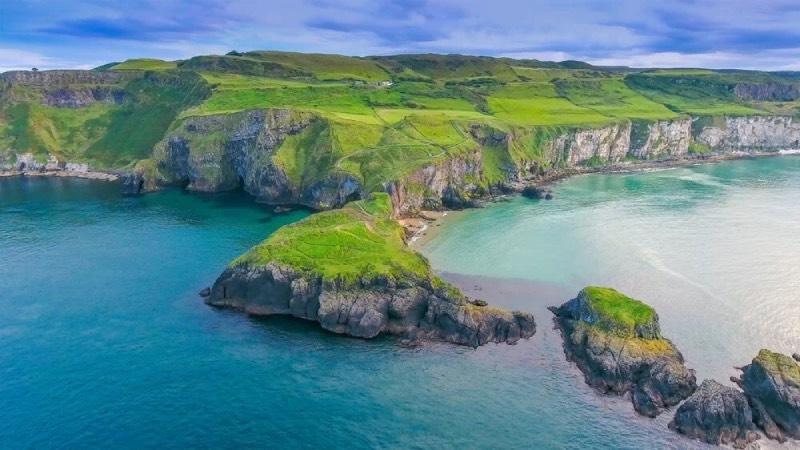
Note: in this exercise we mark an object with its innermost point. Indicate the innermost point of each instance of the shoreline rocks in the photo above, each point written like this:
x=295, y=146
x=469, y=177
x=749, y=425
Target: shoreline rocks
x=771, y=383
x=411, y=309
x=717, y=415
x=616, y=342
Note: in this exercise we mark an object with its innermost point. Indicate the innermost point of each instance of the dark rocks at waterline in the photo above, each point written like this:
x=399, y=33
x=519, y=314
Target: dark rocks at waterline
x=639, y=362
x=772, y=385
x=716, y=414
x=205, y=292
x=537, y=193
x=412, y=309
x=282, y=209
x=132, y=183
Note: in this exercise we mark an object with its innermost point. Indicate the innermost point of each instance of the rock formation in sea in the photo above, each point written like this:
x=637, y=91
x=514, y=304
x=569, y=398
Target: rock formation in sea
x=716, y=414
x=616, y=342
x=350, y=271
x=771, y=383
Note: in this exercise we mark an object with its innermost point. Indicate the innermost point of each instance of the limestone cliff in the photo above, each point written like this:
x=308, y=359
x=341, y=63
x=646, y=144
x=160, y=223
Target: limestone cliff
x=748, y=134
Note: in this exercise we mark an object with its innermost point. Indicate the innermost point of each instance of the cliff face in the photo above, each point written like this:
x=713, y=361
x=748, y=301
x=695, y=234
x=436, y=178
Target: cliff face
x=754, y=133
x=230, y=151
x=604, y=145
x=660, y=139
x=412, y=310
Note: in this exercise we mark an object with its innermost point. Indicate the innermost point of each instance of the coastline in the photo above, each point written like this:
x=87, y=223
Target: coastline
x=425, y=225
x=87, y=175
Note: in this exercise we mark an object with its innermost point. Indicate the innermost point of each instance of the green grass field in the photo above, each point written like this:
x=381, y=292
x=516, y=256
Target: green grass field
x=144, y=64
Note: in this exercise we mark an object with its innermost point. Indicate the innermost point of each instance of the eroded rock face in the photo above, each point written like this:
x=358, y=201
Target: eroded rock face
x=753, y=133
x=409, y=310
x=772, y=384
x=716, y=414
x=70, y=97
x=643, y=364
x=230, y=151
x=606, y=145
x=660, y=139
x=771, y=92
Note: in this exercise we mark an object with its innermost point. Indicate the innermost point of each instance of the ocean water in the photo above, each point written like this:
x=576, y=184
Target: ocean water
x=104, y=342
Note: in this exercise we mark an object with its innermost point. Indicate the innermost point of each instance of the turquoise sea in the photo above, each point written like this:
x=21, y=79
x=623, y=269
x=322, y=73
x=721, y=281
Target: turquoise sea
x=104, y=342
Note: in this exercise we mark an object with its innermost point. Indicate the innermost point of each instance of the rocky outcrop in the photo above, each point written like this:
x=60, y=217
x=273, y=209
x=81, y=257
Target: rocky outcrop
x=593, y=145
x=61, y=77
x=660, y=139
x=450, y=183
x=716, y=414
x=411, y=309
x=770, y=92
x=231, y=151
x=748, y=134
x=772, y=385
x=78, y=97
x=616, y=342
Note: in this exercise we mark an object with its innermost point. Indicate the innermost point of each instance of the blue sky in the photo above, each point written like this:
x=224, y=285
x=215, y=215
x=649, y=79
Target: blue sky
x=666, y=33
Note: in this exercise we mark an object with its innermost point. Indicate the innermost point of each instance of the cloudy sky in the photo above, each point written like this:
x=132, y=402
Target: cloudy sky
x=666, y=33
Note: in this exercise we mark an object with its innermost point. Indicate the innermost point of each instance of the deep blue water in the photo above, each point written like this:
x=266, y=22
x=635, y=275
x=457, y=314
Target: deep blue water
x=104, y=342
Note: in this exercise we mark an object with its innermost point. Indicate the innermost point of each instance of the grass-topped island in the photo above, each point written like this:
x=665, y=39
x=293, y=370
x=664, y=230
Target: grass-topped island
x=351, y=271
x=616, y=342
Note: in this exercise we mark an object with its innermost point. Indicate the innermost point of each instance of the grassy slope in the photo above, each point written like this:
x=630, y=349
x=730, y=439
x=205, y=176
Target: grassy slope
x=359, y=241
x=108, y=135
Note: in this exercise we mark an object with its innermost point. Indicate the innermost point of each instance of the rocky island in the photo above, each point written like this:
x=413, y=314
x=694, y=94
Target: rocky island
x=616, y=342
x=772, y=385
x=351, y=271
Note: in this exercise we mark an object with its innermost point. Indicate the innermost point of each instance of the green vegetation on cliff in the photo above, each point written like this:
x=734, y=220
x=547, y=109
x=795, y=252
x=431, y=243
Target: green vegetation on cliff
x=359, y=241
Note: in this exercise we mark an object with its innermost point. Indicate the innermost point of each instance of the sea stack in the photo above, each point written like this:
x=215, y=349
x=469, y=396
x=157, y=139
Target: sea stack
x=616, y=342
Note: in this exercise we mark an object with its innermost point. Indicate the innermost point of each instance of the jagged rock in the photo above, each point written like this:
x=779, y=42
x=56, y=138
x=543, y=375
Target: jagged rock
x=772, y=385
x=412, y=311
x=537, y=193
x=716, y=414
x=616, y=342
x=132, y=183
x=205, y=292
x=796, y=356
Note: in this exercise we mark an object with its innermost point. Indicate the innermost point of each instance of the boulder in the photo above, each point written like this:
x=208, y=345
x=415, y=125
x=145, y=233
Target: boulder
x=716, y=414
